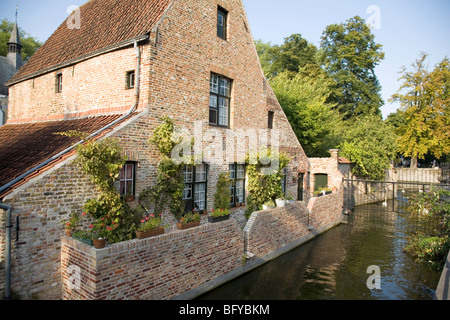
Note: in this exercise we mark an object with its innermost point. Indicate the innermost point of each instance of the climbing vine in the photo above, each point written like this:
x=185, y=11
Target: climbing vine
x=170, y=183
x=102, y=161
x=265, y=172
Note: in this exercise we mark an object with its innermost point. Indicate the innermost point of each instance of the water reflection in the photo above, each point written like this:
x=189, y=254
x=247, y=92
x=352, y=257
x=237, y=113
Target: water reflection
x=334, y=265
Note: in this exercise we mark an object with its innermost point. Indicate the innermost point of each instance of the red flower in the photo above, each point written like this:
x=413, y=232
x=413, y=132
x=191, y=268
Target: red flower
x=109, y=228
x=83, y=214
x=152, y=215
x=142, y=220
x=91, y=226
x=212, y=210
x=68, y=224
x=221, y=209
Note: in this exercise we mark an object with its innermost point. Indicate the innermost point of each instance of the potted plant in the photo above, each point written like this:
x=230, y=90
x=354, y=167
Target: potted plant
x=72, y=224
x=219, y=215
x=99, y=232
x=150, y=227
x=281, y=202
x=268, y=205
x=189, y=220
x=83, y=236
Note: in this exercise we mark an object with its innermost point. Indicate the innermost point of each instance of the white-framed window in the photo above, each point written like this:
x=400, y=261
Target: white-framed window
x=237, y=187
x=219, y=100
x=127, y=179
x=195, y=187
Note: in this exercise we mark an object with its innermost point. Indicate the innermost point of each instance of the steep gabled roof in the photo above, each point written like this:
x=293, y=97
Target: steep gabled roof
x=102, y=24
x=26, y=145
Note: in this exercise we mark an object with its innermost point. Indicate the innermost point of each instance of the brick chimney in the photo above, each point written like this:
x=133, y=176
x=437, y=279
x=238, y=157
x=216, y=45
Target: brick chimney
x=335, y=154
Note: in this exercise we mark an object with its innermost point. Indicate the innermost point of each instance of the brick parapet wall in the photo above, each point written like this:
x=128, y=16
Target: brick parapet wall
x=270, y=230
x=161, y=267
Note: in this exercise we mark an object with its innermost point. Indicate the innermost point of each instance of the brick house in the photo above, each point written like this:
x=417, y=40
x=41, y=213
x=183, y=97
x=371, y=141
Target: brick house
x=115, y=68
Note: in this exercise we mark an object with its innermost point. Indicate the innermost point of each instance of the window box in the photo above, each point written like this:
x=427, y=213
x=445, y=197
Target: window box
x=184, y=226
x=218, y=219
x=150, y=233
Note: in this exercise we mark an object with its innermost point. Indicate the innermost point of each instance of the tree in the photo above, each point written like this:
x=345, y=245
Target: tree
x=294, y=53
x=424, y=98
x=29, y=43
x=350, y=55
x=370, y=145
x=315, y=122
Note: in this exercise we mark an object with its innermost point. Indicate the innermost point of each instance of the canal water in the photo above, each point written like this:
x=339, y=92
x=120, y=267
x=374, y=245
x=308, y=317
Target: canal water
x=335, y=265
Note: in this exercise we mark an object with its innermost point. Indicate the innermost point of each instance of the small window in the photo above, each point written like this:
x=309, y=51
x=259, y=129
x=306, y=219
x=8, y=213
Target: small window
x=127, y=179
x=130, y=79
x=59, y=82
x=270, y=119
x=237, y=187
x=320, y=181
x=219, y=100
x=222, y=16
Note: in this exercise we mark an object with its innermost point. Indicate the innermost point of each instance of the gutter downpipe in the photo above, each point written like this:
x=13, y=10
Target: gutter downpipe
x=8, y=208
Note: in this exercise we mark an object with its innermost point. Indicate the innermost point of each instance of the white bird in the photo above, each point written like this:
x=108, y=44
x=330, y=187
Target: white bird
x=385, y=202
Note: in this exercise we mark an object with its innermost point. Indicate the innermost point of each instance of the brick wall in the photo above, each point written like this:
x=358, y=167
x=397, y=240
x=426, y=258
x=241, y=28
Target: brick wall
x=268, y=231
x=161, y=267
x=94, y=86
x=41, y=205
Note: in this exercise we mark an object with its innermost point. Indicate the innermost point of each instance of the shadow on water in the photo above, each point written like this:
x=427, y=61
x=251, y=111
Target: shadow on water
x=334, y=265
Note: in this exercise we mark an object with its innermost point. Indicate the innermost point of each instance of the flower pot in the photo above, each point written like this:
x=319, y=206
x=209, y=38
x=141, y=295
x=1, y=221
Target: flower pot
x=280, y=202
x=184, y=226
x=68, y=232
x=99, y=243
x=150, y=233
x=218, y=219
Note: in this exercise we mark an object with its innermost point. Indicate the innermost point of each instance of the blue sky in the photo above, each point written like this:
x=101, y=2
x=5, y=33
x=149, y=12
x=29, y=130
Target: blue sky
x=406, y=27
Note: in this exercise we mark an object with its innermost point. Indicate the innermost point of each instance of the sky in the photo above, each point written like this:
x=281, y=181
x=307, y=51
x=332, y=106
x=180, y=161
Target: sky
x=403, y=27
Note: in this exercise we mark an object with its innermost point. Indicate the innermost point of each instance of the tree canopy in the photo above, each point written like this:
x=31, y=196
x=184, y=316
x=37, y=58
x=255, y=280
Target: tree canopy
x=424, y=97
x=350, y=55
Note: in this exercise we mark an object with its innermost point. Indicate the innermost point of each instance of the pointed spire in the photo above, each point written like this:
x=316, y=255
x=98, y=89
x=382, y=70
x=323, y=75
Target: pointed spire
x=15, y=46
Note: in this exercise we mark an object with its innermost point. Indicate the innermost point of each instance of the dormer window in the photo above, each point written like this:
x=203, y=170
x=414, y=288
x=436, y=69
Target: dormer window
x=222, y=17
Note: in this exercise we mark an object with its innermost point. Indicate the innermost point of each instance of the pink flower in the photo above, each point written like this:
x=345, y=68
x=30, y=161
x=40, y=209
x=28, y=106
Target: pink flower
x=146, y=218
x=152, y=215
x=142, y=220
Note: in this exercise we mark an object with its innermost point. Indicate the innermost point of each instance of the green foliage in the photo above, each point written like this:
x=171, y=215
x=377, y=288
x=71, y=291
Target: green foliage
x=425, y=100
x=264, y=183
x=431, y=250
x=151, y=222
x=190, y=217
x=102, y=161
x=29, y=43
x=303, y=97
x=433, y=203
x=222, y=194
x=294, y=53
x=170, y=184
x=370, y=145
x=350, y=55
x=220, y=212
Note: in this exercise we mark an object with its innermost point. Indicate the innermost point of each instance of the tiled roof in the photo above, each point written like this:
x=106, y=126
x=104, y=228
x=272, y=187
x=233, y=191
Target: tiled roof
x=344, y=160
x=24, y=146
x=103, y=23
